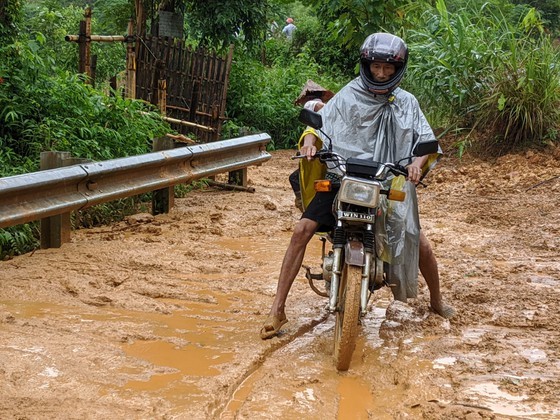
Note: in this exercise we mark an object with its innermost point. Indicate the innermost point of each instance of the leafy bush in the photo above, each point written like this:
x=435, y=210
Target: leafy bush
x=491, y=70
x=262, y=89
x=521, y=102
x=17, y=240
x=311, y=40
x=261, y=98
x=46, y=107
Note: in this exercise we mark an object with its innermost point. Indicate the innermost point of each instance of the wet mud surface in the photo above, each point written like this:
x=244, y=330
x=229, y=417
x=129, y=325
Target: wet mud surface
x=159, y=317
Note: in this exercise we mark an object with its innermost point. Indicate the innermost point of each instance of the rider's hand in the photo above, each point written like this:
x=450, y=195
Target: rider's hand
x=414, y=173
x=308, y=148
x=308, y=151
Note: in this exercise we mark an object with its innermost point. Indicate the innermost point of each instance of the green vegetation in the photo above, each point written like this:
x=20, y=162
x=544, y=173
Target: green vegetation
x=489, y=71
x=486, y=69
x=45, y=105
x=521, y=101
x=17, y=240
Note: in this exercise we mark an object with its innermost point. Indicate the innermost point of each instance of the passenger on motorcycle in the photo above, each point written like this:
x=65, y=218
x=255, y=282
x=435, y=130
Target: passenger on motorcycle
x=371, y=117
x=313, y=97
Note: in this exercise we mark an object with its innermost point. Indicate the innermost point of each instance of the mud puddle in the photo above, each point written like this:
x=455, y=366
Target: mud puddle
x=159, y=317
x=350, y=390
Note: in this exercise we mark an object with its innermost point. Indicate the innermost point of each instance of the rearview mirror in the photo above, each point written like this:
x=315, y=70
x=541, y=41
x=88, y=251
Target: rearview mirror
x=426, y=148
x=311, y=118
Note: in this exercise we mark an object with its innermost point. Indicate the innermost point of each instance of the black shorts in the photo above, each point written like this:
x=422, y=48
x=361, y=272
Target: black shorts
x=294, y=181
x=320, y=210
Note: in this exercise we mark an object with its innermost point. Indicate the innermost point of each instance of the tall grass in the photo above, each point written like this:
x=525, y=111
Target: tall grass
x=484, y=69
x=521, y=102
x=451, y=54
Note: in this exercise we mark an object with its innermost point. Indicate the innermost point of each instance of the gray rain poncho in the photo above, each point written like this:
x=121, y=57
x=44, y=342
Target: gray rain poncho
x=384, y=128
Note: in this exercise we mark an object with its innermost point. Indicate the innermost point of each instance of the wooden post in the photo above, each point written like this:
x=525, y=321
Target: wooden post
x=55, y=230
x=229, y=59
x=194, y=100
x=140, y=18
x=84, y=45
x=239, y=177
x=88, y=64
x=163, y=199
x=130, y=89
x=162, y=96
x=157, y=77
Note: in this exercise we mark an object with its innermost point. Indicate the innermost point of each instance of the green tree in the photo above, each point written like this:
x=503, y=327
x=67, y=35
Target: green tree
x=48, y=23
x=350, y=21
x=10, y=17
x=219, y=23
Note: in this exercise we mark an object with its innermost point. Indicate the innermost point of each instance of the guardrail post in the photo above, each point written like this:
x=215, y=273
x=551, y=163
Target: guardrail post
x=238, y=177
x=55, y=230
x=163, y=200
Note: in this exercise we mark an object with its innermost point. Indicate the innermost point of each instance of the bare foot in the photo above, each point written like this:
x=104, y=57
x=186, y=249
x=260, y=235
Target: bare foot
x=446, y=311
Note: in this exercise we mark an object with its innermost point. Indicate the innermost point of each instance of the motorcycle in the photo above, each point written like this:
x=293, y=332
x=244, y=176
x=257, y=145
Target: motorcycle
x=353, y=268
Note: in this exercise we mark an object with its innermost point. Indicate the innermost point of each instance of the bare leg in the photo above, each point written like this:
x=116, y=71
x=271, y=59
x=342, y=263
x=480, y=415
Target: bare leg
x=303, y=232
x=429, y=269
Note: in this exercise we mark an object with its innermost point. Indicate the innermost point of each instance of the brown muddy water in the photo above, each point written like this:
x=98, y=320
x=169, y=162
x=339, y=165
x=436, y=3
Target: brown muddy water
x=159, y=317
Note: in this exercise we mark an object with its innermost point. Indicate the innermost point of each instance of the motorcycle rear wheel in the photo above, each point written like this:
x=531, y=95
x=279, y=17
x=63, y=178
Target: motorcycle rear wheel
x=347, y=316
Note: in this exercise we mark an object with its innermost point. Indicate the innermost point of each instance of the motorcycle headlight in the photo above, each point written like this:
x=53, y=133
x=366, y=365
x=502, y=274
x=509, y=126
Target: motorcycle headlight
x=358, y=191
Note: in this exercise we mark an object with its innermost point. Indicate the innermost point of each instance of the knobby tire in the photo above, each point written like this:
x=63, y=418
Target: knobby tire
x=347, y=316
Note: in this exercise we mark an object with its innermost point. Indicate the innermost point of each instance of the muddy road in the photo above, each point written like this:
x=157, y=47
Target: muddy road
x=159, y=318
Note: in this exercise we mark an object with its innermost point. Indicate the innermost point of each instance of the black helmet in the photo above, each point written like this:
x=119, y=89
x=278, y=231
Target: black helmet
x=385, y=48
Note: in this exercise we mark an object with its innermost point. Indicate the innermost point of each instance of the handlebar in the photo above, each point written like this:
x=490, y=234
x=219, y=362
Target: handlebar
x=398, y=170
x=322, y=155
x=329, y=156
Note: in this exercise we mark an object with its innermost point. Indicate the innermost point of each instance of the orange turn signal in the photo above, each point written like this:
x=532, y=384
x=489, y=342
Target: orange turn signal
x=396, y=195
x=323, y=185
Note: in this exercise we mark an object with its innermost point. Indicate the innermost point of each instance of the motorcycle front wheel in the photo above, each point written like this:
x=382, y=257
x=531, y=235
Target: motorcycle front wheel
x=347, y=316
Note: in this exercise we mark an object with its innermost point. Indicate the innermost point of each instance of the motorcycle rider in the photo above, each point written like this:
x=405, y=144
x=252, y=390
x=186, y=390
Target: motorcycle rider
x=371, y=117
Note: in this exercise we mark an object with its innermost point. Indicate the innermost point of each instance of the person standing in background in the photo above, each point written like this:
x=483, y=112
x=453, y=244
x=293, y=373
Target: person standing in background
x=289, y=29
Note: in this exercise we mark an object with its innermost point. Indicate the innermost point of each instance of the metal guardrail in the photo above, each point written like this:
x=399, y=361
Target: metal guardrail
x=38, y=195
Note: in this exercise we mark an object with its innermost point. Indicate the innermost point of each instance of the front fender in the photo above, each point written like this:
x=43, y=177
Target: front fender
x=354, y=253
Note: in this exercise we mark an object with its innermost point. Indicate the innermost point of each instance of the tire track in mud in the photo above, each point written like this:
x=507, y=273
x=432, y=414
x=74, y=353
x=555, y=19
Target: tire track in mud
x=226, y=410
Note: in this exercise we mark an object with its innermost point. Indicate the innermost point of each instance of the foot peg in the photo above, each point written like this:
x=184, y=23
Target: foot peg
x=310, y=277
